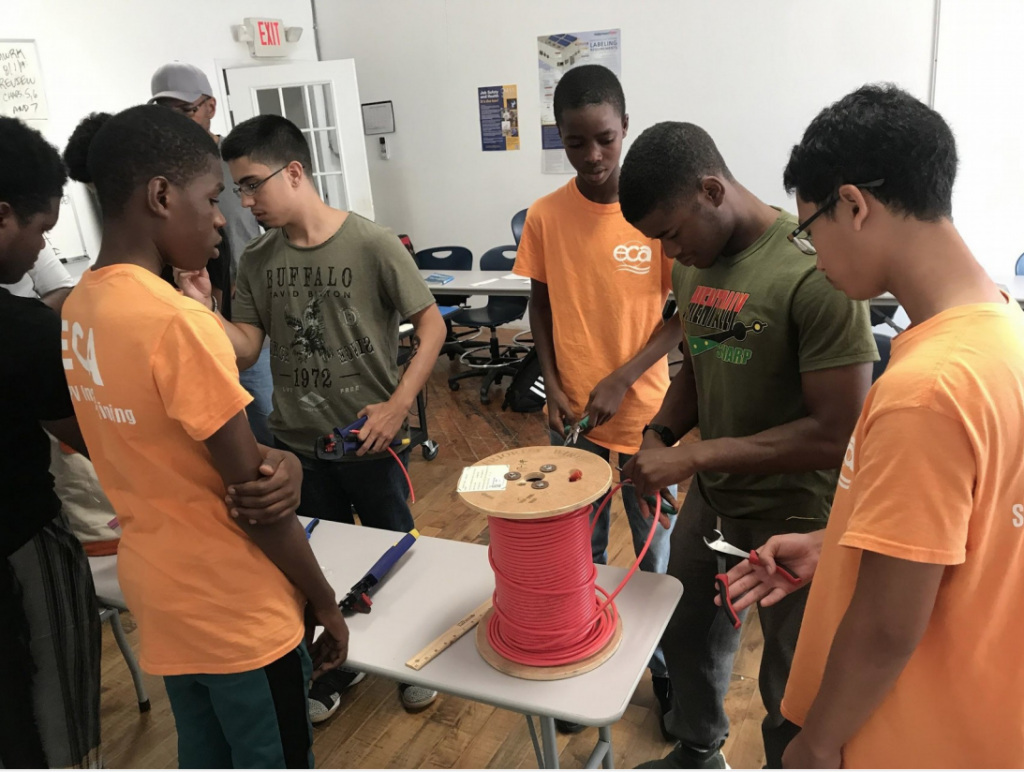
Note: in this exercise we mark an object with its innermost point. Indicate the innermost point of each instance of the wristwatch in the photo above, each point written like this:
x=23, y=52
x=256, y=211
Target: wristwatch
x=666, y=435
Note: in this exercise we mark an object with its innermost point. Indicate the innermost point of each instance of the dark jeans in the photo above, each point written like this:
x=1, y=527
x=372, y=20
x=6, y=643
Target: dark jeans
x=376, y=489
x=700, y=643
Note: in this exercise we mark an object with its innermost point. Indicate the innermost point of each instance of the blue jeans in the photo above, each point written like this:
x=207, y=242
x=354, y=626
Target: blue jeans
x=656, y=559
x=260, y=384
x=376, y=489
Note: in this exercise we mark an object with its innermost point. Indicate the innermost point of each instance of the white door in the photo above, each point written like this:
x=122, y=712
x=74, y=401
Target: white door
x=322, y=99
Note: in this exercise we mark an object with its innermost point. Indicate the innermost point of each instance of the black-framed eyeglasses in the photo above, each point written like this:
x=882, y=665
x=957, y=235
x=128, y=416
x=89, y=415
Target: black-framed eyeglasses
x=250, y=188
x=802, y=242
x=185, y=108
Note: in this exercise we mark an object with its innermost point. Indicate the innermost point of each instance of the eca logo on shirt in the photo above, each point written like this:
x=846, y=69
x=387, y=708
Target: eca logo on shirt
x=1018, y=515
x=88, y=361
x=846, y=473
x=633, y=257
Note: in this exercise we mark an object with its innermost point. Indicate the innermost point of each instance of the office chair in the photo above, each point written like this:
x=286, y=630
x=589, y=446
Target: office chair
x=500, y=361
x=524, y=338
x=450, y=259
x=518, y=221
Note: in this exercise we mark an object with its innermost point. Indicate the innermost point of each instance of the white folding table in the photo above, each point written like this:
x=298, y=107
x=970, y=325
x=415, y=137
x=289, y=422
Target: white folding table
x=477, y=282
x=469, y=283
x=440, y=581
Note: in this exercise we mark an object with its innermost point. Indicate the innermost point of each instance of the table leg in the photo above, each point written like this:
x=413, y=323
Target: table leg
x=550, y=740
x=605, y=733
x=536, y=743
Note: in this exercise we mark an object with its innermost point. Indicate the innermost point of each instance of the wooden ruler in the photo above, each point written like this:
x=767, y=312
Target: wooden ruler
x=450, y=636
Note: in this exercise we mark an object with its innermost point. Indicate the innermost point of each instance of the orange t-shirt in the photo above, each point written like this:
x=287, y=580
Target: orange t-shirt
x=933, y=474
x=608, y=285
x=152, y=375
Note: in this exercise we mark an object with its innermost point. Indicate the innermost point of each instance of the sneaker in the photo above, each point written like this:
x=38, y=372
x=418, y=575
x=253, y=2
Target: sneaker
x=684, y=758
x=663, y=693
x=567, y=727
x=416, y=698
x=325, y=693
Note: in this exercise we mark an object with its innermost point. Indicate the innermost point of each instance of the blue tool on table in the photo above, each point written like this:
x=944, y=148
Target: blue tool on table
x=358, y=598
x=345, y=442
x=311, y=527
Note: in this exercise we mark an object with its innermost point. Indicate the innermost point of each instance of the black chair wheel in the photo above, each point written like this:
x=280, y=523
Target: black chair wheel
x=430, y=453
x=453, y=385
x=484, y=399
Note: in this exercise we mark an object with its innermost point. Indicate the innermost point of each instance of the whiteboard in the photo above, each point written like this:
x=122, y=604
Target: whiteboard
x=23, y=96
x=21, y=81
x=978, y=86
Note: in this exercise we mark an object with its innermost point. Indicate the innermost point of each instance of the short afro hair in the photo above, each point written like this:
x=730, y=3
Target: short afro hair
x=667, y=162
x=268, y=139
x=31, y=172
x=141, y=143
x=588, y=84
x=879, y=132
x=76, y=153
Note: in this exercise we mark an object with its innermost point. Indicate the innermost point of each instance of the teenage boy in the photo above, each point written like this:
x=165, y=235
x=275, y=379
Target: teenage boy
x=185, y=88
x=597, y=288
x=50, y=708
x=909, y=652
x=219, y=601
x=329, y=289
x=778, y=363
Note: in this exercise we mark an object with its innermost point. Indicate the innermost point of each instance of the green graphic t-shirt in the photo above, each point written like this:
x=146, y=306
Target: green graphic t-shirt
x=331, y=313
x=753, y=323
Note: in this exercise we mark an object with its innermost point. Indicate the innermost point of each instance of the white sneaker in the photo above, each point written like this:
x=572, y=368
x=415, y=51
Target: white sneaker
x=416, y=698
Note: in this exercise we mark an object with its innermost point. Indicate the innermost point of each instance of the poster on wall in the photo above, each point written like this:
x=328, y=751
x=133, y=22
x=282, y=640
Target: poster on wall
x=499, y=117
x=556, y=55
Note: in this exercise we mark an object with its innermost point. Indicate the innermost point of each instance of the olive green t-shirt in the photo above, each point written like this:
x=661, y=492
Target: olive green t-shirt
x=753, y=323
x=331, y=313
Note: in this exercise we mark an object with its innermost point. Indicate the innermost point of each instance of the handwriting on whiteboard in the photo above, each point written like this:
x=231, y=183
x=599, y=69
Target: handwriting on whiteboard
x=21, y=84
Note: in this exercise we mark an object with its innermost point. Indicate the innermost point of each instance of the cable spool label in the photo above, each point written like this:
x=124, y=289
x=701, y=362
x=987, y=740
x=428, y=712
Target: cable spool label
x=476, y=479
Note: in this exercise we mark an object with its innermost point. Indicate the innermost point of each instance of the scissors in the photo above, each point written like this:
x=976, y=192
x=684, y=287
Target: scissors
x=572, y=433
x=723, y=548
x=721, y=545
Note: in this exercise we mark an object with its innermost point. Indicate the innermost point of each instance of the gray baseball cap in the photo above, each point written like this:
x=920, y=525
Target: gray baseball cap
x=179, y=80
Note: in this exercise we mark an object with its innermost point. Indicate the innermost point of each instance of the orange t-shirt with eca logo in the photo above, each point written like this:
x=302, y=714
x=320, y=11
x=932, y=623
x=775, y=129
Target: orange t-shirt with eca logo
x=933, y=474
x=152, y=375
x=608, y=284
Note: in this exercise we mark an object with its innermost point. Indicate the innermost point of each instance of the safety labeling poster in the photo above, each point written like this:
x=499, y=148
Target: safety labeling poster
x=556, y=55
x=499, y=118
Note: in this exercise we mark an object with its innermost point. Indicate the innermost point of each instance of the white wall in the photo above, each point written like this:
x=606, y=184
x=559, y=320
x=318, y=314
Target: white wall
x=99, y=55
x=751, y=72
x=980, y=91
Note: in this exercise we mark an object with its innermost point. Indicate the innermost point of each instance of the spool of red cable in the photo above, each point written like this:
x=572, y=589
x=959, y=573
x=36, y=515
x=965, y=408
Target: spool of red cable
x=549, y=619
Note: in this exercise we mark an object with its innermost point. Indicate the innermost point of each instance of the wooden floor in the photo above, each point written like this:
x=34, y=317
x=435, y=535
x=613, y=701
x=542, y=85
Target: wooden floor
x=371, y=729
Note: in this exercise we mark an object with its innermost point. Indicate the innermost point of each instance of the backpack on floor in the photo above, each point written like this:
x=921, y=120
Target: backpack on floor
x=526, y=392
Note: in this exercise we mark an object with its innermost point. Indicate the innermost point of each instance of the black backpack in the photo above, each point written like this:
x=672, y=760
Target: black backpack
x=526, y=392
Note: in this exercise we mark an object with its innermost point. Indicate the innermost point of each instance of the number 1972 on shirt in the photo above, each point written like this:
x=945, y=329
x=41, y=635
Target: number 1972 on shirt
x=317, y=377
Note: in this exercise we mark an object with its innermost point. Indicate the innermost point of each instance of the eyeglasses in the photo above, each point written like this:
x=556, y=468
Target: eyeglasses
x=802, y=242
x=250, y=188
x=184, y=108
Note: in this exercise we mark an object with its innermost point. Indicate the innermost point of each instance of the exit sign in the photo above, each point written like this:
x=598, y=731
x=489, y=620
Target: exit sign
x=267, y=36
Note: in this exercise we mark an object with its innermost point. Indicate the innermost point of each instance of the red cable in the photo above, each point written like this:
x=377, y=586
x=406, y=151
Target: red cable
x=405, y=471
x=546, y=606
x=412, y=493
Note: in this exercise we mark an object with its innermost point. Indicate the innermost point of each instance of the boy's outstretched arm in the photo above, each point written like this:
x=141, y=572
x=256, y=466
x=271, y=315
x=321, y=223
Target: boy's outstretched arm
x=237, y=458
